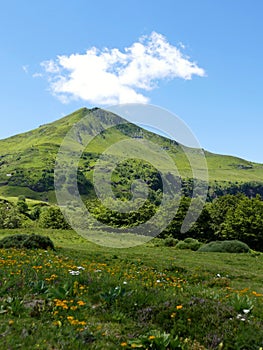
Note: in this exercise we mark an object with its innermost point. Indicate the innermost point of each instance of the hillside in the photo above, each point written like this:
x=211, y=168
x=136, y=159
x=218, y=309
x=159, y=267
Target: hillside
x=27, y=160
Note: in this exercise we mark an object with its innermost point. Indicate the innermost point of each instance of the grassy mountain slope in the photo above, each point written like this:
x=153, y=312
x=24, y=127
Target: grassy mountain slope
x=27, y=160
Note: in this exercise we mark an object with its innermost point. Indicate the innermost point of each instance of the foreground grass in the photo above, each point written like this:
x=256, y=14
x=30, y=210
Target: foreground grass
x=84, y=296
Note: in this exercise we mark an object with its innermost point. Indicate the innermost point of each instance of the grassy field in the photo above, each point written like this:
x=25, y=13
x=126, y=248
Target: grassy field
x=84, y=296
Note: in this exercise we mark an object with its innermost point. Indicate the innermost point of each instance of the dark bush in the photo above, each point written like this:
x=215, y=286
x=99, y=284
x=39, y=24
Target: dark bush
x=27, y=241
x=233, y=246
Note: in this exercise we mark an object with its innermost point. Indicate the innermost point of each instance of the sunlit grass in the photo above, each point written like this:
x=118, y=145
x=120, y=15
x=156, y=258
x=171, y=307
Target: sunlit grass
x=87, y=296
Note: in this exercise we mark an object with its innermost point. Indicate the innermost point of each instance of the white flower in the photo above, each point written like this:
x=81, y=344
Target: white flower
x=158, y=281
x=74, y=273
x=246, y=311
x=125, y=282
x=218, y=275
x=240, y=317
x=80, y=268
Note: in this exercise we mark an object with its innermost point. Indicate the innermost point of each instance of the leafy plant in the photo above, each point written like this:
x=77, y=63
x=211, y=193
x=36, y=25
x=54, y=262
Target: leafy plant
x=232, y=246
x=189, y=243
x=27, y=241
x=157, y=340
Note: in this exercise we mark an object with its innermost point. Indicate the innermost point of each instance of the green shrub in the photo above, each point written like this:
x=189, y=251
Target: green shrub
x=190, y=240
x=189, y=243
x=157, y=242
x=9, y=216
x=27, y=241
x=52, y=217
x=170, y=241
x=233, y=246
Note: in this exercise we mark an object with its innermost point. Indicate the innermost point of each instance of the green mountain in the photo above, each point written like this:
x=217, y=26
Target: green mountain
x=27, y=160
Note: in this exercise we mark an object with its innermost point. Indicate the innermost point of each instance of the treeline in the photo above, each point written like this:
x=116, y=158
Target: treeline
x=19, y=214
x=226, y=217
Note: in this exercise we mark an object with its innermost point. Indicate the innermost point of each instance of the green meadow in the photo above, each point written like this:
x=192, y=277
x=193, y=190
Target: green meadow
x=86, y=296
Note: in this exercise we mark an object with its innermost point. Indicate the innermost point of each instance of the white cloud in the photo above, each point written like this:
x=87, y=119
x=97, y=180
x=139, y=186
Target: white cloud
x=110, y=76
x=37, y=75
x=25, y=68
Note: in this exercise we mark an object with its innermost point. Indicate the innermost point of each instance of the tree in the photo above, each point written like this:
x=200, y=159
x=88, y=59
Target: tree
x=52, y=217
x=245, y=222
x=21, y=205
x=9, y=216
x=219, y=209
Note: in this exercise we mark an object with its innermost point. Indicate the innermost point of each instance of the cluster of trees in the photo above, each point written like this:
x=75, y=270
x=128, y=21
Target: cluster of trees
x=16, y=215
x=226, y=217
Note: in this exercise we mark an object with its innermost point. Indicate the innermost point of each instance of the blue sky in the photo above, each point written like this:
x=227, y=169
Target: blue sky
x=218, y=94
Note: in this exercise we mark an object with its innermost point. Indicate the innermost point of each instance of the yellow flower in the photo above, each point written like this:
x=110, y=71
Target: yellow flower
x=11, y=322
x=70, y=318
x=173, y=315
x=178, y=307
x=124, y=344
x=151, y=337
x=74, y=322
x=81, y=303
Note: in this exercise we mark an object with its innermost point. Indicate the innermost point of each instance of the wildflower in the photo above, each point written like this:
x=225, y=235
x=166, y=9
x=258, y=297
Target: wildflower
x=11, y=322
x=178, y=307
x=124, y=344
x=246, y=311
x=80, y=268
x=151, y=337
x=70, y=318
x=173, y=315
x=81, y=303
x=241, y=318
x=74, y=273
x=74, y=322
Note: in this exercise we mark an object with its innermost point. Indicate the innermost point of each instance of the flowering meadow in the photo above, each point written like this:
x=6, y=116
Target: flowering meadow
x=83, y=296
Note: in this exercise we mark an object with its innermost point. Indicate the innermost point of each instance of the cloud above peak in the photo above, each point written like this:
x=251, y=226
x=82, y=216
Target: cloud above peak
x=109, y=76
